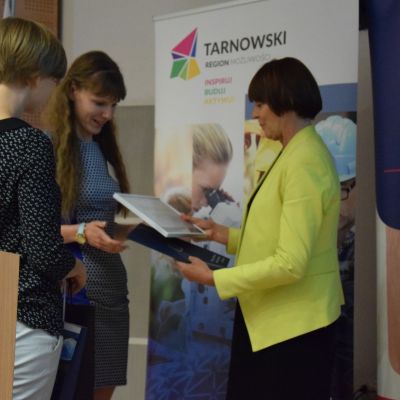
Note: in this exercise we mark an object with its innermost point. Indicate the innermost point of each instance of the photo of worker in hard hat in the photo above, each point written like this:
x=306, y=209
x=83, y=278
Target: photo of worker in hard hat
x=339, y=134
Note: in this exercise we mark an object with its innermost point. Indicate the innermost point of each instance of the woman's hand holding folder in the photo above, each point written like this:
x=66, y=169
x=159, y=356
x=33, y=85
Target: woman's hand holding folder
x=216, y=232
x=197, y=270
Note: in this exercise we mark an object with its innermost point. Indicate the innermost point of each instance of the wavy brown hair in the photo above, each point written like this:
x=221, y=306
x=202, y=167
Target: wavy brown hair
x=96, y=72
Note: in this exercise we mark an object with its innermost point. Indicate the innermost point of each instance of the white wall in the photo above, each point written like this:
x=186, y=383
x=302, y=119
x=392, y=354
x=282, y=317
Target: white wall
x=123, y=29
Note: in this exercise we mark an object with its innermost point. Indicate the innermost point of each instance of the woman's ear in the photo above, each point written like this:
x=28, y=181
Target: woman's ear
x=33, y=81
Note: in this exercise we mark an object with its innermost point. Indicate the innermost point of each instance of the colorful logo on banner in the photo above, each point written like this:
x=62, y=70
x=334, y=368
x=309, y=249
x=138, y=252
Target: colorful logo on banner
x=185, y=65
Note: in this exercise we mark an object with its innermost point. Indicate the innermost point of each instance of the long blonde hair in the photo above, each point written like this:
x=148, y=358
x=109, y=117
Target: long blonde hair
x=96, y=72
x=210, y=142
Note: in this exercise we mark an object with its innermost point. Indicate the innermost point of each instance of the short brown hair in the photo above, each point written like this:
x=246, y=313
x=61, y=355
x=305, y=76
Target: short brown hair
x=286, y=84
x=29, y=49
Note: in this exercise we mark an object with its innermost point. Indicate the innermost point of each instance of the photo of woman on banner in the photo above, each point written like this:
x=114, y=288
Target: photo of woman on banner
x=339, y=135
x=212, y=154
x=189, y=325
x=286, y=276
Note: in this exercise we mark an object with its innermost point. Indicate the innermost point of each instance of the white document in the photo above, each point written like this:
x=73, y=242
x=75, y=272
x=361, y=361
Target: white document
x=159, y=215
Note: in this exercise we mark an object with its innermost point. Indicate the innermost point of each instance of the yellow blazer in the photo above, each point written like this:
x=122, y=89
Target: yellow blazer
x=286, y=276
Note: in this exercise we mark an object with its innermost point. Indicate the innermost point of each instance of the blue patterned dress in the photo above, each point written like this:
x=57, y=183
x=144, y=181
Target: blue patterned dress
x=107, y=280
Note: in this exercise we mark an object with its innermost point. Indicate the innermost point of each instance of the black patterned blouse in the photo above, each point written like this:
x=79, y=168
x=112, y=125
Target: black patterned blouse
x=30, y=223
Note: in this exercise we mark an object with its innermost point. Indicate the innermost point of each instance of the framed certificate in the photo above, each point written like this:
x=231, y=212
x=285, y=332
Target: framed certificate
x=159, y=215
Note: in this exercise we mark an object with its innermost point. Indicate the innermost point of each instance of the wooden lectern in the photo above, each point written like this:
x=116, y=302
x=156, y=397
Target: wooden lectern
x=9, y=272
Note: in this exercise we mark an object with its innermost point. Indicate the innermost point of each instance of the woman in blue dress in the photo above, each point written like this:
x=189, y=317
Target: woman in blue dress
x=89, y=170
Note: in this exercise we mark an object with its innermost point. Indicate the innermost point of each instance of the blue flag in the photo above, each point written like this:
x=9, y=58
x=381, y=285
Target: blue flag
x=384, y=34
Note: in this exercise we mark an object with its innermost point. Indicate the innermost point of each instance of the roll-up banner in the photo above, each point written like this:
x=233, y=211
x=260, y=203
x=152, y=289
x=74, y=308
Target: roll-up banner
x=384, y=31
x=205, y=156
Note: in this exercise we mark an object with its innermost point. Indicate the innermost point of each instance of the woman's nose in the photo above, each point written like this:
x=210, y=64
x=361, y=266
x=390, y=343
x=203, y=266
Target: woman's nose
x=108, y=113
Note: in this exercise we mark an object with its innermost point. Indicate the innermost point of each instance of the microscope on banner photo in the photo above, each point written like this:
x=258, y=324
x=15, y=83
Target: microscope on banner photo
x=221, y=208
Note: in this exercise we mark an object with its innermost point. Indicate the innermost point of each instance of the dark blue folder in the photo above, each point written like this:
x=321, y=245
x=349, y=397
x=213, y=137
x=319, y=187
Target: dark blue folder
x=176, y=248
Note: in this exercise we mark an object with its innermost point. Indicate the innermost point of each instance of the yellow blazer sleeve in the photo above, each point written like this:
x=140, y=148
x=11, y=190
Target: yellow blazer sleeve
x=233, y=240
x=304, y=191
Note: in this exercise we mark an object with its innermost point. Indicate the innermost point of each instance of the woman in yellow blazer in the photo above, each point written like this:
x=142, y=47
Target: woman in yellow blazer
x=286, y=276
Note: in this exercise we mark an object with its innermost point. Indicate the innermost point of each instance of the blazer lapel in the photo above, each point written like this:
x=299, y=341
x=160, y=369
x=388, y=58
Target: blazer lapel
x=283, y=154
x=261, y=179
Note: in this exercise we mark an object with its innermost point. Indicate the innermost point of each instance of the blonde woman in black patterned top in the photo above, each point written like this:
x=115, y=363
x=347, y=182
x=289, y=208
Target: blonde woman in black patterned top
x=31, y=62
